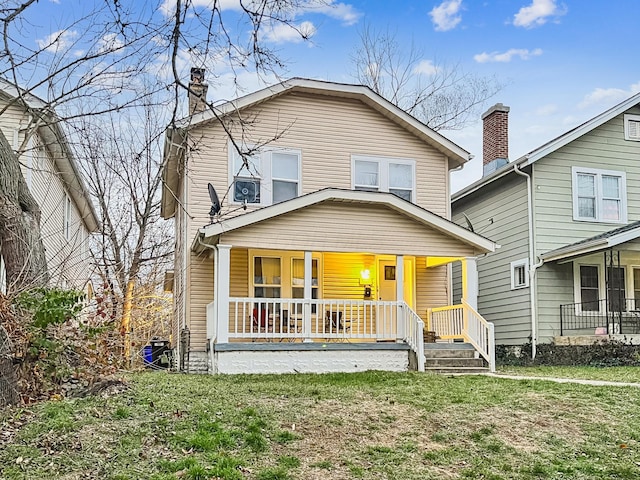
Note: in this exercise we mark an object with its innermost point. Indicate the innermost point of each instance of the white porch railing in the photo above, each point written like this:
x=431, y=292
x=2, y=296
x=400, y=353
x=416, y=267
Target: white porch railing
x=414, y=333
x=464, y=323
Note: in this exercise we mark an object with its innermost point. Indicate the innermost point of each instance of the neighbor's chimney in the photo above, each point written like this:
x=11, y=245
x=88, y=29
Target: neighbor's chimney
x=495, y=138
x=197, y=91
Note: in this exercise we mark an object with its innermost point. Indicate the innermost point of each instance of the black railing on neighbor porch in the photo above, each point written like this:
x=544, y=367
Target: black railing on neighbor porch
x=608, y=316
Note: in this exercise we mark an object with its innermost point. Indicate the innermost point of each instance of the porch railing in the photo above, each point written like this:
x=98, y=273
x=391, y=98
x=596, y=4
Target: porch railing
x=413, y=327
x=463, y=322
x=287, y=319
x=609, y=316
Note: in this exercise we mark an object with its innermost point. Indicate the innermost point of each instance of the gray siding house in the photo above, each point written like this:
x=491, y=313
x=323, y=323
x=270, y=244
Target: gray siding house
x=567, y=218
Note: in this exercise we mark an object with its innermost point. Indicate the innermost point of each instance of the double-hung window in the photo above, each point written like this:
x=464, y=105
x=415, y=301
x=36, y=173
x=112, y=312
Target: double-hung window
x=589, y=288
x=265, y=177
x=376, y=174
x=599, y=195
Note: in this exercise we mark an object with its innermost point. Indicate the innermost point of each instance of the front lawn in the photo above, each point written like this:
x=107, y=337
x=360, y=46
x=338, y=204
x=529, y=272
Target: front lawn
x=340, y=426
x=611, y=374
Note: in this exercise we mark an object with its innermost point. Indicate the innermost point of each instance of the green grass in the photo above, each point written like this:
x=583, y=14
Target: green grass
x=612, y=374
x=370, y=425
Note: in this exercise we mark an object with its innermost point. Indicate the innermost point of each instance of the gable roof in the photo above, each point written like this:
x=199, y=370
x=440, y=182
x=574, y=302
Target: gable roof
x=551, y=146
x=596, y=243
x=55, y=140
x=416, y=213
x=175, y=136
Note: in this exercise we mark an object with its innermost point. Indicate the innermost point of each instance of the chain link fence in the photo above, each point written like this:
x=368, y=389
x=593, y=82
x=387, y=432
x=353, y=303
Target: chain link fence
x=9, y=394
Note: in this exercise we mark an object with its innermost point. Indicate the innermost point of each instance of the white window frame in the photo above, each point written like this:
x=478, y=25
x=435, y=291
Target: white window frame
x=383, y=171
x=628, y=118
x=264, y=158
x=524, y=263
x=577, y=286
x=67, y=217
x=575, y=171
x=286, y=270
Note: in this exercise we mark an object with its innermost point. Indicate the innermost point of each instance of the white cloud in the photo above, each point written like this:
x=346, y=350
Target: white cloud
x=445, y=16
x=57, y=41
x=425, y=67
x=608, y=96
x=537, y=13
x=507, y=56
x=110, y=43
x=284, y=33
x=340, y=11
x=546, y=110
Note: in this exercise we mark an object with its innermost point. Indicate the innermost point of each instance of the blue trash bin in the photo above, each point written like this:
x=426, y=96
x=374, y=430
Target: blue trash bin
x=148, y=355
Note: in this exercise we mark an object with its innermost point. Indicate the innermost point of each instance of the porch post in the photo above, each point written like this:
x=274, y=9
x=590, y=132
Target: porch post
x=400, y=326
x=222, y=293
x=212, y=312
x=470, y=281
x=306, y=309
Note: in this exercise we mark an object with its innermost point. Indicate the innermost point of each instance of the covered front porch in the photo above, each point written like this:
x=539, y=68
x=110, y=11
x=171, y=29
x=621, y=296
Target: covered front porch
x=347, y=294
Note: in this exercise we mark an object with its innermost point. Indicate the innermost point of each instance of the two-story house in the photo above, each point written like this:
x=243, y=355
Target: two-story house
x=54, y=180
x=566, y=216
x=334, y=227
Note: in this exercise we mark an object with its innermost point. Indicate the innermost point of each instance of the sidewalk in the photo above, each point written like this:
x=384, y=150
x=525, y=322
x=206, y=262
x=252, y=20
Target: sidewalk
x=597, y=383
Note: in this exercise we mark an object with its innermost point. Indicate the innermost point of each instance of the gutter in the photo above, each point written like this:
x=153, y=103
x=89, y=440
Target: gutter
x=532, y=266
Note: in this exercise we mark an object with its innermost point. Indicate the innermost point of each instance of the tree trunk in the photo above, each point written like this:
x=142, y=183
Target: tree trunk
x=20, y=239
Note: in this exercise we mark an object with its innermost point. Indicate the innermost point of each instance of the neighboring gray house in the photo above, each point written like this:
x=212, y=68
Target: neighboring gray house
x=566, y=217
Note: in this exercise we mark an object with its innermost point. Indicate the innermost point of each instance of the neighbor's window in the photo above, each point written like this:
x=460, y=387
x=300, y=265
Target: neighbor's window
x=632, y=127
x=589, y=288
x=519, y=274
x=599, y=195
x=267, y=277
x=267, y=177
x=391, y=175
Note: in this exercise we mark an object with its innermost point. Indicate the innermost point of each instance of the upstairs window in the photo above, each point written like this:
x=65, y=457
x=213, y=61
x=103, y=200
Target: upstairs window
x=268, y=177
x=391, y=175
x=599, y=195
x=632, y=127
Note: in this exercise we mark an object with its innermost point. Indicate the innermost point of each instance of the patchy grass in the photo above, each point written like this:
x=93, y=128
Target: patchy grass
x=611, y=374
x=371, y=425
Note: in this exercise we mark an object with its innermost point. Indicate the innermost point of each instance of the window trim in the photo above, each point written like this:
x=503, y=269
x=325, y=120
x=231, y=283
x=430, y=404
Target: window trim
x=286, y=270
x=383, y=171
x=516, y=264
x=628, y=117
x=266, y=177
x=577, y=286
x=575, y=171
x=67, y=216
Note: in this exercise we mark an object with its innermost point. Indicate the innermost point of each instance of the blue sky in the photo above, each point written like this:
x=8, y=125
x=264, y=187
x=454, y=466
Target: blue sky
x=562, y=62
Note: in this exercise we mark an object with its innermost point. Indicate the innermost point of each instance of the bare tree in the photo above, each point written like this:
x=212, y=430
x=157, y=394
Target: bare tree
x=441, y=95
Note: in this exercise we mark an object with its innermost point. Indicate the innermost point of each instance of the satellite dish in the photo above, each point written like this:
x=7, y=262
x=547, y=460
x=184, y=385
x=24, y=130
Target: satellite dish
x=469, y=225
x=215, y=202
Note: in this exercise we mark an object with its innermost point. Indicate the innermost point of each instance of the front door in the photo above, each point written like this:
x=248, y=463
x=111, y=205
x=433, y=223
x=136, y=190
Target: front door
x=386, y=314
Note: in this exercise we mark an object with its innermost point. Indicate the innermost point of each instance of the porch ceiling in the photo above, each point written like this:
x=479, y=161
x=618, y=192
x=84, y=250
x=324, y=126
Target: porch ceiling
x=346, y=221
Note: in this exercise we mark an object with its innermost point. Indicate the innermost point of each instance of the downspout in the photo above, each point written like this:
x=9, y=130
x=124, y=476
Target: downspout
x=532, y=266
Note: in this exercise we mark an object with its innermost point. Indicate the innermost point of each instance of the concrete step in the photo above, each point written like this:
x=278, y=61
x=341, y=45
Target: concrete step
x=449, y=353
x=454, y=362
x=457, y=370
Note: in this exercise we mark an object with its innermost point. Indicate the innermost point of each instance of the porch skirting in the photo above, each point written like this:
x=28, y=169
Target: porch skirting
x=313, y=357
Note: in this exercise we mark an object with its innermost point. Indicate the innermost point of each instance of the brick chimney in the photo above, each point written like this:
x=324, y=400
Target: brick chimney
x=495, y=138
x=197, y=91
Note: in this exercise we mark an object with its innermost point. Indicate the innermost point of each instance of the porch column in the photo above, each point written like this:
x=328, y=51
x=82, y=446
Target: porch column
x=212, y=312
x=306, y=309
x=222, y=293
x=400, y=327
x=470, y=281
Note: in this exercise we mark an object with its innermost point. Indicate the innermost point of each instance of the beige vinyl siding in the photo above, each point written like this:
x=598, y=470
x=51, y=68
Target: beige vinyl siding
x=341, y=275
x=327, y=131
x=602, y=148
x=201, y=294
x=67, y=259
x=345, y=227
x=499, y=212
x=432, y=287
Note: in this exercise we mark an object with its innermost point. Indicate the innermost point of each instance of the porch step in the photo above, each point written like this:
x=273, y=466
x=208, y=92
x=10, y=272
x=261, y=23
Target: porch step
x=447, y=358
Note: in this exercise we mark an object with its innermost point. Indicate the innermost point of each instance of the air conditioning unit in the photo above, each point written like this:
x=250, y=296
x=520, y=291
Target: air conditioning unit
x=246, y=191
